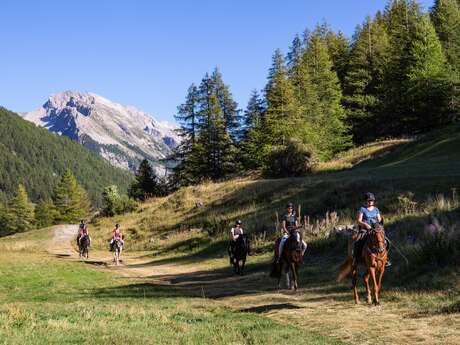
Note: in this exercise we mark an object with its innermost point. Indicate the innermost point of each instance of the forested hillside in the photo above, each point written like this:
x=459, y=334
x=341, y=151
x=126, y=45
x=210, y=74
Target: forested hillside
x=397, y=76
x=35, y=158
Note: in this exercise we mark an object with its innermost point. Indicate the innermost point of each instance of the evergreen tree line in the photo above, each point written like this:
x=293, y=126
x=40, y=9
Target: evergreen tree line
x=36, y=158
x=398, y=75
x=69, y=204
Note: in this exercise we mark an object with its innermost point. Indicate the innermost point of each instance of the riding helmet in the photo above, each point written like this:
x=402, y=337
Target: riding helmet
x=117, y=225
x=369, y=196
x=238, y=222
x=290, y=205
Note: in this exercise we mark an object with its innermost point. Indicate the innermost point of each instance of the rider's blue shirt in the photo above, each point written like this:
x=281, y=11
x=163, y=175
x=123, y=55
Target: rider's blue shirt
x=370, y=217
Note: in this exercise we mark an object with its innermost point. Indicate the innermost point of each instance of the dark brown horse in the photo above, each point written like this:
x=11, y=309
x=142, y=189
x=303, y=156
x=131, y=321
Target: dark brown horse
x=83, y=246
x=290, y=260
x=240, y=251
x=373, y=256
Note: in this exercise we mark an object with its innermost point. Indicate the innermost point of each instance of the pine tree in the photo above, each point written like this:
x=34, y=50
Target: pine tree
x=282, y=113
x=70, y=199
x=339, y=51
x=294, y=55
x=217, y=155
x=187, y=118
x=364, y=78
x=145, y=184
x=229, y=107
x=429, y=90
x=45, y=213
x=445, y=15
x=414, y=73
x=21, y=211
x=306, y=99
x=252, y=138
x=213, y=153
x=328, y=124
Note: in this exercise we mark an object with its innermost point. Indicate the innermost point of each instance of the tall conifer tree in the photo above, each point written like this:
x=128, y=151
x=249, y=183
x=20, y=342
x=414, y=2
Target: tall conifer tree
x=21, y=211
x=414, y=74
x=282, y=114
x=329, y=123
x=445, y=15
x=252, y=138
x=70, y=199
x=364, y=78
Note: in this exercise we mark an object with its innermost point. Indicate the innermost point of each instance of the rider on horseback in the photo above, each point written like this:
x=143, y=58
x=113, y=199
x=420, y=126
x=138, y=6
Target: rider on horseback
x=82, y=232
x=368, y=216
x=235, y=232
x=288, y=224
x=116, y=236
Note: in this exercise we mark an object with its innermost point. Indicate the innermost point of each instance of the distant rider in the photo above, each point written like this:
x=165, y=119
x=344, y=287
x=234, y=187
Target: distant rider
x=235, y=232
x=117, y=235
x=289, y=222
x=82, y=232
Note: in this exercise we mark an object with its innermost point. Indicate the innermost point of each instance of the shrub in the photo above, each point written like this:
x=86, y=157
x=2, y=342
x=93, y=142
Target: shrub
x=114, y=203
x=294, y=159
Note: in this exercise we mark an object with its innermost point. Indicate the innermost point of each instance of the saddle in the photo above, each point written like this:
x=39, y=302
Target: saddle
x=359, y=245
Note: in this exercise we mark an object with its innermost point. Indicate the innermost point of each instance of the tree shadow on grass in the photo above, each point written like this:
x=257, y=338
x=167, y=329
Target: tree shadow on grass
x=266, y=308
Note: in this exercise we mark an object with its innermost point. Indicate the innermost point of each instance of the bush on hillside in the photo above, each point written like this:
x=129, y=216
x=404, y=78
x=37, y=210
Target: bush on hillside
x=294, y=159
x=115, y=204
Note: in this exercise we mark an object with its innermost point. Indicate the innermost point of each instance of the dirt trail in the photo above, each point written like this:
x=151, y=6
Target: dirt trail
x=327, y=309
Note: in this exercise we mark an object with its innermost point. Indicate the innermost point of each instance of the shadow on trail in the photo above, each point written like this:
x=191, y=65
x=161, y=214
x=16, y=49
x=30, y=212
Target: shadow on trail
x=266, y=308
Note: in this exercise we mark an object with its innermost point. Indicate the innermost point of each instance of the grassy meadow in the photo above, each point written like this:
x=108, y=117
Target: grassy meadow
x=176, y=286
x=49, y=300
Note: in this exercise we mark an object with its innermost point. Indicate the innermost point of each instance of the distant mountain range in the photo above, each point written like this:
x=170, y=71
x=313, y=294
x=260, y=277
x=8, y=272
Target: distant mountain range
x=121, y=134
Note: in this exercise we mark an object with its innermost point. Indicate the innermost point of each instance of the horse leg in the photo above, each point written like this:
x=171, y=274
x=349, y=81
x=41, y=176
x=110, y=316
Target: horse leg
x=366, y=284
x=294, y=276
x=375, y=286
x=381, y=276
x=242, y=265
x=354, y=281
x=285, y=269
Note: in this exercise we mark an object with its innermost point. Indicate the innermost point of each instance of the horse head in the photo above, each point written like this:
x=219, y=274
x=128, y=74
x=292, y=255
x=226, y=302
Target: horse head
x=295, y=240
x=243, y=242
x=377, y=238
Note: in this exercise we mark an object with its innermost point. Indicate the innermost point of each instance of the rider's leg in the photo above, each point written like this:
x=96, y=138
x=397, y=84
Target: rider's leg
x=304, y=247
x=281, y=247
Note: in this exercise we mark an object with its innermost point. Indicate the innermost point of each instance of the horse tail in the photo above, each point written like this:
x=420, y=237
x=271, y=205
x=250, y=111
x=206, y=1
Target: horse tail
x=345, y=269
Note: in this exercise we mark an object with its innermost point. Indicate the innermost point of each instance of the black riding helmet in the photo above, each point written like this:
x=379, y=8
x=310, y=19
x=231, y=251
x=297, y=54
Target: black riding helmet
x=117, y=225
x=290, y=204
x=238, y=222
x=369, y=196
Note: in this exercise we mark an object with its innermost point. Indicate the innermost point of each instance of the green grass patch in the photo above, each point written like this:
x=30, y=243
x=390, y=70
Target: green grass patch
x=45, y=300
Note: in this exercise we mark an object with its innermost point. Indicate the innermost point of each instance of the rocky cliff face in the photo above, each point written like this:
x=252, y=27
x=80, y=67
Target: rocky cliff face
x=121, y=134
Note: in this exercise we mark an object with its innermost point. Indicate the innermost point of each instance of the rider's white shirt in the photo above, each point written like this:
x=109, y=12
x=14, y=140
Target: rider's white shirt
x=232, y=232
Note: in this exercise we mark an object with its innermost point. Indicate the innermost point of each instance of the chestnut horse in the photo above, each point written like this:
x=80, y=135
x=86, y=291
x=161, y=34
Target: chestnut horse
x=291, y=258
x=373, y=256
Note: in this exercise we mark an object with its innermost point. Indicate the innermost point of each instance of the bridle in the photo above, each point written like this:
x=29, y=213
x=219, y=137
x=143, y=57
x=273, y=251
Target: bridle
x=379, y=251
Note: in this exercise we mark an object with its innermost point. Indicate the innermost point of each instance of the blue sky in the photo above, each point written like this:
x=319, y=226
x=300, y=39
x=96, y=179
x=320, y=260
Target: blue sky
x=146, y=53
